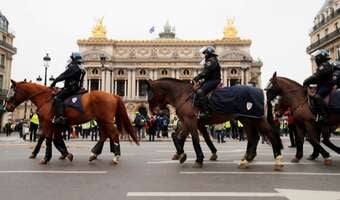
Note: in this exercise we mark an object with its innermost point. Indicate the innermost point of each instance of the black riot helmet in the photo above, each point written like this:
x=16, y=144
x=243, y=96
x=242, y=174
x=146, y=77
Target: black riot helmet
x=321, y=56
x=208, y=51
x=76, y=58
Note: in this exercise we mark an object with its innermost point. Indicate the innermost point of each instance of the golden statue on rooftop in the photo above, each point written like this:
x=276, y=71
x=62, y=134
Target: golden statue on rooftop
x=230, y=30
x=99, y=30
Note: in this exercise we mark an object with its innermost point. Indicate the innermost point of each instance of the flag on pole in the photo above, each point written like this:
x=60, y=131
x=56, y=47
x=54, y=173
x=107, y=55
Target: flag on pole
x=152, y=29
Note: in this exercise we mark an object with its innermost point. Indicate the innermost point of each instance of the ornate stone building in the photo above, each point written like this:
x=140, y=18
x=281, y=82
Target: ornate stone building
x=6, y=53
x=122, y=66
x=325, y=33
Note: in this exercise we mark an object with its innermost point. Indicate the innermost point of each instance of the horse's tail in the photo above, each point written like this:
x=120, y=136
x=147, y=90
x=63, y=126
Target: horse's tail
x=123, y=120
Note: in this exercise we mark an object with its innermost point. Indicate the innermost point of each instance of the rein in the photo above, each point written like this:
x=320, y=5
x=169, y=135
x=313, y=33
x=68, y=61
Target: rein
x=299, y=105
x=34, y=95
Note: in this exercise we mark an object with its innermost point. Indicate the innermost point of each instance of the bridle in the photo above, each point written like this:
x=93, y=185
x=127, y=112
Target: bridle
x=27, y=98
x=293, y=110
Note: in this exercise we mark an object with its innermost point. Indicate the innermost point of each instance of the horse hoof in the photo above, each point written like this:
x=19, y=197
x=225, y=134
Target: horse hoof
x=311, y=157
x=175, y=157
x=295, y=160
x=278, y=167
x=198, y=165
x=115, y=160
x=70, y=157
x=213, y=157
x=92, y=158
x=43, y=162
x=244, y=164
x=62, y=157
x=328, y=161
x=32, y=156
x=182, y=158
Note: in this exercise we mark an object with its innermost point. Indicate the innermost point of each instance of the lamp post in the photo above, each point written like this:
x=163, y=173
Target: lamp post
x=47, y=60
x=244, y=68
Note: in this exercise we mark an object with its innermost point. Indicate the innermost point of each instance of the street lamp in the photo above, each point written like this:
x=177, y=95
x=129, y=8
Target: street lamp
x=244, y=68
x=47, y=60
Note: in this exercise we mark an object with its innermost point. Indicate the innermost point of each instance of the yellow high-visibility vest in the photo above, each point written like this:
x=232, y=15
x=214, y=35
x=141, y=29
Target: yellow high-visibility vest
x=35, y=119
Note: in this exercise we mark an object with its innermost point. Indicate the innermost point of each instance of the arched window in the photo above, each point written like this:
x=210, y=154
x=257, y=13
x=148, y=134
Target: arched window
x=164, y=72
x=121, y=72
x=142, y=72
x=233, y=71
x=186, y=72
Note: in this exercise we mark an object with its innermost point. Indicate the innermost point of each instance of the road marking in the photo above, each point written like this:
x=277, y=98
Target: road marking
x=53, y=172
x=261, y=173
x=290, y=194
x=229, y=162
x=202, y=194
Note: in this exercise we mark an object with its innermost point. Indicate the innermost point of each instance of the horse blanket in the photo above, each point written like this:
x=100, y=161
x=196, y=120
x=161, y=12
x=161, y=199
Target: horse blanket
x=246, y=101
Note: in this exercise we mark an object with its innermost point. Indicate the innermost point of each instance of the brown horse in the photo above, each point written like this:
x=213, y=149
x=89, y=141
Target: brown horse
x=293, y=94
x=179, y=94
x=107, y=109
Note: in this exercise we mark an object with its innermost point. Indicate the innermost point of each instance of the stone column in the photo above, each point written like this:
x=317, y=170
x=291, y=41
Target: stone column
x=133, y=86
x=107, y=80
x=129, y=82
x=125, y=89
x=85, y=82
x=225, y=78
x=173, y=73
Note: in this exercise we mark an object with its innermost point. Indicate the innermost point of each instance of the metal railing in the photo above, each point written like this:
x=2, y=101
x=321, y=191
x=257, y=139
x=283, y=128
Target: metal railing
x=8, y=46
x=324, y=40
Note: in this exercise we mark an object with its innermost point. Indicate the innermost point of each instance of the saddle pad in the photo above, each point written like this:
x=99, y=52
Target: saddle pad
x=334, y=101
x=242, y=100
x=74, y=102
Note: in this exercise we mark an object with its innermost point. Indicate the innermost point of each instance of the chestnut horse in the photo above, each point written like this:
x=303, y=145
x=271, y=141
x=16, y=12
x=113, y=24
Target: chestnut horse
x=293, y=94
x=179, y=94
x=107, y=109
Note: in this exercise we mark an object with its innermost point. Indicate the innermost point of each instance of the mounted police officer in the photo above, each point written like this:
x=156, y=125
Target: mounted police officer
x=326, y=76
x=73, y=77
x=210, y=78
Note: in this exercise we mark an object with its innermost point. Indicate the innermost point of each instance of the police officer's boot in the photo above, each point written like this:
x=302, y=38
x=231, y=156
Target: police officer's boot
x=59, y=112
x=205, y=111
x=321, y=108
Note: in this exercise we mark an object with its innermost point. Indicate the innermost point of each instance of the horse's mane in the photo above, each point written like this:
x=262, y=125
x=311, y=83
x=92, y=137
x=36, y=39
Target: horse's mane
x=290, y=80
x=173, y=79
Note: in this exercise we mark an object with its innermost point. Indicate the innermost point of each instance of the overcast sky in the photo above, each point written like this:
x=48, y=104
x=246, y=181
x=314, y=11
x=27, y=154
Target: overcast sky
x=278, y=28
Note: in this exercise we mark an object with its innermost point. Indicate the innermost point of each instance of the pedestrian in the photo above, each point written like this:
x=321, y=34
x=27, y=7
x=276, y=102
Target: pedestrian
x=240, y=131
x=34, y=125
x=139, y=122
x=219, y=130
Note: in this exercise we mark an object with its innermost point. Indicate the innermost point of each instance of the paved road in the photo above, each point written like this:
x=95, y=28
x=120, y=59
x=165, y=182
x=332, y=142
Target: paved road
x=146, y=172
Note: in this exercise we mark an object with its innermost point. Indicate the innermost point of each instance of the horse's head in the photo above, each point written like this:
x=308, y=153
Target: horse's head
x=156, y=97
x=273, y=89
x=15, y=96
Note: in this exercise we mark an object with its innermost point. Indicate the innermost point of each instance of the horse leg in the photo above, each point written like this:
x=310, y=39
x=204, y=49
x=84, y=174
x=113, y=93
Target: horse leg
x=316, y=151
x=253, y=139
x=275, y=140
x=37, y=147
x=299, y=140
x=179, y=141
x=61, y=146
x=115, y=147
x=178, y=144
x=108, y=129
x=98, y=147
x=208, y=141
x=48, y=152
x=313, y=135
x=326, y=135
